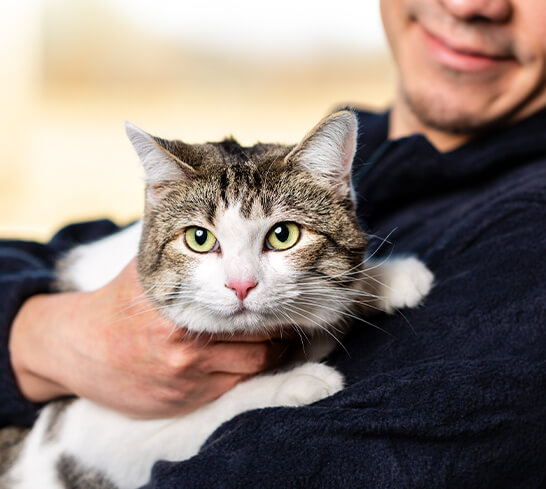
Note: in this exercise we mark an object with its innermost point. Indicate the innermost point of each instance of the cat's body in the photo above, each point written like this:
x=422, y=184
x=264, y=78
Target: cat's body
x=233, y=240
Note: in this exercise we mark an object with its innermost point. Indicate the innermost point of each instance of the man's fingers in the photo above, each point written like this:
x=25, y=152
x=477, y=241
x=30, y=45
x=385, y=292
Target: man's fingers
x=242, y=358
x=219, y=383
x=178, y=334
x=285, y=333
x=209, y=388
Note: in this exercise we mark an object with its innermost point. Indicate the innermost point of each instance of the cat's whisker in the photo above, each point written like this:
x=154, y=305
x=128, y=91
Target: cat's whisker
x=350, y=272
x=322, y=327
x=169, y=284
x=121, y=313
x=126, y=305
x=282, y=323
x=349, y=276
x=385, y=240
x=355, y=296
x=358, y=318
x=329, y=280
x=279, y=321
x=356, y=269
x=377, y=281
x=377, y=263
x=338, y=292
x=356, y=302
x=349, y=300
x=339, y=298
x=134, y=300
x=173, y=330
x=406, y=320
x=151, y=309
x=364, y=272
x=300, y=332
x=298, y=302
x=327, y=294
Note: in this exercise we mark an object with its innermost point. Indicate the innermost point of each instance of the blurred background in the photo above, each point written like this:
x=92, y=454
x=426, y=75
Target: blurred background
x=74, y=70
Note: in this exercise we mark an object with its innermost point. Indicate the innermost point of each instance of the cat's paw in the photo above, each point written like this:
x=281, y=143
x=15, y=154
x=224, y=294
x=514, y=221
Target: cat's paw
x=308, y=383
x=407, y=282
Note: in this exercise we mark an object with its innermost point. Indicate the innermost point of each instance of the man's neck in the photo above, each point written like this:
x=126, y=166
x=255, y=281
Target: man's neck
x=403, y=122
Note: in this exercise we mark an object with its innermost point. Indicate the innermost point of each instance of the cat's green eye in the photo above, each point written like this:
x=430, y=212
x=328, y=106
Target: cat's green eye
x=282, y=236
x=200, y=240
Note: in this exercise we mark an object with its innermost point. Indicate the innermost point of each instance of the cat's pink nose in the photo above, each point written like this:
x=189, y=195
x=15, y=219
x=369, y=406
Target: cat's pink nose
x=241, y=287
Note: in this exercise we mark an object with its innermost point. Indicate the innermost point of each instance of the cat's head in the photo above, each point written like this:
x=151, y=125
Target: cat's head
x=251, y=238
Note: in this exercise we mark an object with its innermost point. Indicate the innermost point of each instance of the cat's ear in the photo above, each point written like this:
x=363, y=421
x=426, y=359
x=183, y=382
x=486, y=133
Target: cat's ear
x=161, y=166
x=328, y=150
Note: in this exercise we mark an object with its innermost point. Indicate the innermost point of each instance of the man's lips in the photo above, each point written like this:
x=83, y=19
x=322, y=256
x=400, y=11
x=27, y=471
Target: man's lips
x=462, y=57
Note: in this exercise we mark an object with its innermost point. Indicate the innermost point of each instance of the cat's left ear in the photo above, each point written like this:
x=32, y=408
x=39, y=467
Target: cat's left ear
x=328, y=150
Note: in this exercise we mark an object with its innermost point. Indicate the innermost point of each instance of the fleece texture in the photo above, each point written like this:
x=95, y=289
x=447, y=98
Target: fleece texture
x=448, y=395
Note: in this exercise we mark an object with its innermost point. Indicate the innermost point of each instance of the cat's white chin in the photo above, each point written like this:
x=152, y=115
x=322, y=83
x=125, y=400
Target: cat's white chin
x=253, y=320
x=234, y=320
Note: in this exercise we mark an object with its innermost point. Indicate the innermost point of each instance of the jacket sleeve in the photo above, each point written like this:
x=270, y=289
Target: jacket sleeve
x=440, y=425
x=457, y=400
x=26, y=269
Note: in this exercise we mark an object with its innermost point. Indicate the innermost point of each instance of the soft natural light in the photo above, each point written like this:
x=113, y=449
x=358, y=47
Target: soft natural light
x=284, y=27
x=73, y=71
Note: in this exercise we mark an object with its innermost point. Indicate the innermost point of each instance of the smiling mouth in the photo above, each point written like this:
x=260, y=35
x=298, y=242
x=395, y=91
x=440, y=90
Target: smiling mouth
x=462, y=59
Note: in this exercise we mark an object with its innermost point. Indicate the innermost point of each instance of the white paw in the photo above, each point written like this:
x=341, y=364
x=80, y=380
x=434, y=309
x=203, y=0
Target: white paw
x=308, y=383
x=408, y=281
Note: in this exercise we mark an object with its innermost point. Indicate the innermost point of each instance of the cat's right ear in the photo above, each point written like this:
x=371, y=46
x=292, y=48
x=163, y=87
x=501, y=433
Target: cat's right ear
x=160, y=165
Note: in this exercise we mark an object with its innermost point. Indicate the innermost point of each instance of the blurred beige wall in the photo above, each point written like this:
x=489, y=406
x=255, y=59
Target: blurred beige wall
x=72, y=72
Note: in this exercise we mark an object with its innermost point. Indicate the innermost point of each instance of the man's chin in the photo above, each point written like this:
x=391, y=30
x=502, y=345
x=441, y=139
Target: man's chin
x=446, y=117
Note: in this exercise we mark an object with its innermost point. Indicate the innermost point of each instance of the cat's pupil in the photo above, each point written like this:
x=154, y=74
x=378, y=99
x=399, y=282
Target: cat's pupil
x=200, y=236
x=282, y=233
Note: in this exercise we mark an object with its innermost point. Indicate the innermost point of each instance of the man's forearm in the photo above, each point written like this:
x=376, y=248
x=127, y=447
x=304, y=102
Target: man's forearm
x=113, y=347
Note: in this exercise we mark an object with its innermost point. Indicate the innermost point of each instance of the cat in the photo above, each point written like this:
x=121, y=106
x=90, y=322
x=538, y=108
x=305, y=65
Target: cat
x=233, y=239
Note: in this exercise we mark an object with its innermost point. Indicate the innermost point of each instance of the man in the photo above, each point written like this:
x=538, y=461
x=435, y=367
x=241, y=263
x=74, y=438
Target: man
x=453, y=396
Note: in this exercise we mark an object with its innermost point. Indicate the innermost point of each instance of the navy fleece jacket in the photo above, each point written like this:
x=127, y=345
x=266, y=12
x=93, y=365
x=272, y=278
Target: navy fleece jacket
x=454, y=395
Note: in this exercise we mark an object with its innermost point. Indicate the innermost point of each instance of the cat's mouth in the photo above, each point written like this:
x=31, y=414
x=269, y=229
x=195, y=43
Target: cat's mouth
x=228, y=318
x=242, y=311
x=250, y=315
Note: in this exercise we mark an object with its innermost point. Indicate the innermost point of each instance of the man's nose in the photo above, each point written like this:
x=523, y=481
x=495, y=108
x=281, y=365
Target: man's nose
x=241, y=287
x=493, y=10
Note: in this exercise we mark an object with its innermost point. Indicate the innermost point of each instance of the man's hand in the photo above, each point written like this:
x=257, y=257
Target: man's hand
x=113, y=347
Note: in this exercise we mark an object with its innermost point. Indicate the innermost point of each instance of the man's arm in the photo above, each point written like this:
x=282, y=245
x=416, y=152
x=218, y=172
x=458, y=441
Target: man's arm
x=113, y=347
x=27, y=269
x=441, y=425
